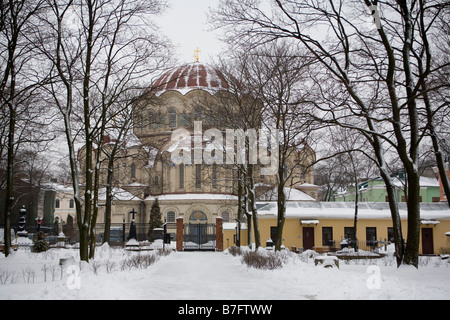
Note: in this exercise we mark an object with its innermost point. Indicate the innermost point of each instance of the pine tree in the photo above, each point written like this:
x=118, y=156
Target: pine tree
x=155, y=219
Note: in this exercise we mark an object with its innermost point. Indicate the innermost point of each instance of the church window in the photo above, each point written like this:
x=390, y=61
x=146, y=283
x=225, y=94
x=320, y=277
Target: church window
x=151, y=120
x=57, y=203
x=198, y=216
x=170, y=216
x=161, y=121
x=198, y=175
x=172, y=119
x=133, y=171
x=197, y=114
x=71, y=203
x=181, y=176
x=182, y=120
x=214, y=175
x=226, y=216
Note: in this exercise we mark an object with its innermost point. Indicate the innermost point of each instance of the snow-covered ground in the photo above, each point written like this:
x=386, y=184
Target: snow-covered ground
x=118, y=274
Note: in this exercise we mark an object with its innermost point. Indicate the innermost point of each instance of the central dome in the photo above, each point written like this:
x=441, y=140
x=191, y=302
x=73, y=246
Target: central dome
x=191, y=77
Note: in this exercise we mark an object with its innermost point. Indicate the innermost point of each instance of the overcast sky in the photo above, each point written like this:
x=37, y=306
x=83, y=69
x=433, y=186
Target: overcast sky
x=185, y=23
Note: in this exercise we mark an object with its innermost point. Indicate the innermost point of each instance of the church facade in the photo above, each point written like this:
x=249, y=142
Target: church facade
x=199, y=192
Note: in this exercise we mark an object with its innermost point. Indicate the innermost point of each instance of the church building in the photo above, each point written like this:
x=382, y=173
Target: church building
x=192, y=94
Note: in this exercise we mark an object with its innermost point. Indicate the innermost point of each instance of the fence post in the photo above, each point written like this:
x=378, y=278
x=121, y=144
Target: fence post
x=219, y=234
x=180, y=234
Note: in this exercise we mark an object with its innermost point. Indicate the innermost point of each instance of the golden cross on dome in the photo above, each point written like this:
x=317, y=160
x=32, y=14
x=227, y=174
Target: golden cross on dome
x=197, y=54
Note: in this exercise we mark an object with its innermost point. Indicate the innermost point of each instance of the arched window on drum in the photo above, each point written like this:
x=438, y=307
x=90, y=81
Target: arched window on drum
x=172, y=118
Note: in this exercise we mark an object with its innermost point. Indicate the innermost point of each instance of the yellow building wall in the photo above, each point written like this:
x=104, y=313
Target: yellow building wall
x=293, y=233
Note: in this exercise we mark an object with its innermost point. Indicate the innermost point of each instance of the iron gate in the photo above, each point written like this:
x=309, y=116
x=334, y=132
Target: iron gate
x=199, y=236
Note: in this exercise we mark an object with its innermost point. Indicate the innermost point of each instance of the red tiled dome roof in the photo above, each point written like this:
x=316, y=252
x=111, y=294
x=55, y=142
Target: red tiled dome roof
x=190, y=77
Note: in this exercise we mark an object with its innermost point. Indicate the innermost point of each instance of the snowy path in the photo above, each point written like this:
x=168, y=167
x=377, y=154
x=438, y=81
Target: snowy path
x=202, y=275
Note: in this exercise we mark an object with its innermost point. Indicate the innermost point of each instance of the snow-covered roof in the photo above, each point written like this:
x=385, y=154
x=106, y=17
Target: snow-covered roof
x=424, y=182
x=190, y=77
x=290, y=193
x=192, y=196
x=429, y=221
x=346, y=210
x=59, y=187
x=118, y=195
x=233, y=225
x=307, y=185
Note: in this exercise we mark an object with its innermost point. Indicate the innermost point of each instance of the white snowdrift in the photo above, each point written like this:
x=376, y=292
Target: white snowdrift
x=215, y=276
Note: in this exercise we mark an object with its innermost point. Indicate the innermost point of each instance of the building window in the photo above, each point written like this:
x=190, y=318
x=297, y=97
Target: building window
x=57, y=203
x=197, y=114
x=371, y=236
x=172, y=119
x=170, y=216
x=214, y=176
x=198, y=175
x=197, y=216
x=133, y=171
x=349, y=233
x=273, y=234
x=181, y=176
x=182, y=120
x=226, y=216
x=390, y=232
x=151, y=120
x=160, y=119
x=327, y=236
x=71, y=204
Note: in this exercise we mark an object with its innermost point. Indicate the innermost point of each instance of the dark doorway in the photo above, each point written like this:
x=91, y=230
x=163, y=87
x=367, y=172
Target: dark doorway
x=427, y=241
x=308, y=238
x=273, y=234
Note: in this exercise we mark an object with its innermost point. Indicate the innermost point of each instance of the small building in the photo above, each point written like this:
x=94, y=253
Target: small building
x=374, y=190
x=321, y=226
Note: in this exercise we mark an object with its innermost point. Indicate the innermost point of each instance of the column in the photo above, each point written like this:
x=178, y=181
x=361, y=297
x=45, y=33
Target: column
x=180, y=228
x=219, y=234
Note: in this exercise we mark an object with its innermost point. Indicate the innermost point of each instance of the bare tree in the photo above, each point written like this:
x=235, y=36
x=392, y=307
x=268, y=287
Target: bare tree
x=18, y=84
x=281, y=70
x=368, y=79
x=241, y=111
x=97, y=51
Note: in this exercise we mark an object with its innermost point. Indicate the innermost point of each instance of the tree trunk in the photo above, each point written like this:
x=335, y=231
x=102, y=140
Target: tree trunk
x=9, y=200
x=108, y=205
x=355, y=219
x=412, y=242
x=281, y=208
x=239, y=213
x=252, y=202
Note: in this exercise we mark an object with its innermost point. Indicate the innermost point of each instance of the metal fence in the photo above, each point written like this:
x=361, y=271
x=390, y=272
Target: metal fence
x=199, y=236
